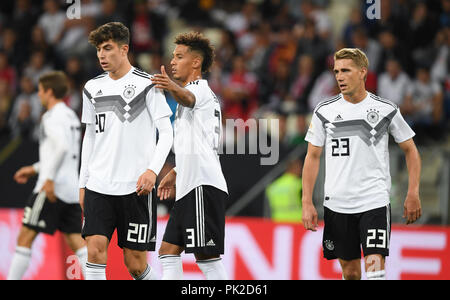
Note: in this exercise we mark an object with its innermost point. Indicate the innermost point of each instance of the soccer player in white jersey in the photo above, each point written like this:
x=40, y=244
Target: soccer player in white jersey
x=197, y=220
x=354, y=129
x=54, y=202
x=122, y=110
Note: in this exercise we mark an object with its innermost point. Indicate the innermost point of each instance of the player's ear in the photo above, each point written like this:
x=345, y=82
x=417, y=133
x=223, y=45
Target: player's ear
x=124, y=49
x=197, y=62
x=364, y=73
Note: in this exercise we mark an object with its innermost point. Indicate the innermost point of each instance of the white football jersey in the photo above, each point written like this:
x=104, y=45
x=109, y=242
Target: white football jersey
x=61, y=124
x=124, y=111
x=355, y=137
x=196, y=142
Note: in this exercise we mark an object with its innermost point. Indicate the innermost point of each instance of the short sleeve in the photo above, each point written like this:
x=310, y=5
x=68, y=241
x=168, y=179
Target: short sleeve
x=316, y=133
x=195, y=88
x=88, y=113
x=399, y=129
x=157, y=104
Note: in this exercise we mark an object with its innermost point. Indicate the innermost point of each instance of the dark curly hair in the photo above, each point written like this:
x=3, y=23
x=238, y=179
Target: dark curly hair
x=115, y=31
x=199, y=43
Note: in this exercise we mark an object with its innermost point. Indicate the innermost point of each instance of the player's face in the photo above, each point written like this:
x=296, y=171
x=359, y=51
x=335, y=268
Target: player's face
x=349, y=76
x=182, y=62
x=111, y=55
x=43, y=95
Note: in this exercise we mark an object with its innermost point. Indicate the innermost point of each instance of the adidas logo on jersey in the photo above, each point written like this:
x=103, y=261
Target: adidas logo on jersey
x=210, y=243
x=99, y=93
x=338, y=118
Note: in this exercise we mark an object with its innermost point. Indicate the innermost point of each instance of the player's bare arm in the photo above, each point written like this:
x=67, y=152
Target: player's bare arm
x=23, y=174
x=166, y=189
x=412, y=207
x=310, y=171
x=183, y=96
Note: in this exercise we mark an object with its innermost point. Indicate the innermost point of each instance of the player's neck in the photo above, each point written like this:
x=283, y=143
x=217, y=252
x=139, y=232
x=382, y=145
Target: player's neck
x=194, y=76
x=52, y=102
x=356, y=97
x=120, y=71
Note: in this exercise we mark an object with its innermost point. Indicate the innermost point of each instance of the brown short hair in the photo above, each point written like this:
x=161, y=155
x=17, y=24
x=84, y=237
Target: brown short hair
x=355, y=54
x=57, y=82
x=115, y=31
x=198, y=42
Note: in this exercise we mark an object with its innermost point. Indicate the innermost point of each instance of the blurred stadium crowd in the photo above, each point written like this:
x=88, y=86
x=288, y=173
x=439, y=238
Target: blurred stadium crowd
x=272, y=56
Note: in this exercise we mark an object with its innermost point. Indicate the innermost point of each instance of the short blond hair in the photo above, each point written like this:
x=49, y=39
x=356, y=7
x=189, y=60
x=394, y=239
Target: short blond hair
x=355, y=54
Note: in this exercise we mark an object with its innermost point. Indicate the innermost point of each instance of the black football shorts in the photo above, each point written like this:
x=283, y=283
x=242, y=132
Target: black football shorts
x=44, y=216
x=197, y=221
x=134, y=217
x=345, y=234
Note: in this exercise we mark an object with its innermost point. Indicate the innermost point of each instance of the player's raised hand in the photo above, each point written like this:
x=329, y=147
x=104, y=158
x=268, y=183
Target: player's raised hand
x=166, y=188
x=145, y=183
x=23, y=174
x=163, y=80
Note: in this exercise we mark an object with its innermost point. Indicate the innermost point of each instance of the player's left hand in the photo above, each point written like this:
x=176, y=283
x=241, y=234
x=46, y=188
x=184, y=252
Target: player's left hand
x=49, y=189
x=145, y=183
x=412, y=208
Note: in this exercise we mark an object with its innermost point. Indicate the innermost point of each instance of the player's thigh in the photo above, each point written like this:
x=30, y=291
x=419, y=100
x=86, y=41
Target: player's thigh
x=375, y=231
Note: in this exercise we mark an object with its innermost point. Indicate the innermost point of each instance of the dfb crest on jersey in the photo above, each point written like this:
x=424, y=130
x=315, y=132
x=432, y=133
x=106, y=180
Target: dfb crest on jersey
x=129, y=91
x=373, y=116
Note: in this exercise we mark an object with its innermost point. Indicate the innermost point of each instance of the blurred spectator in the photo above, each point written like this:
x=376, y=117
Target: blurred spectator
x=371, y=47
x=391, y=47
x=5, y=105
x=36, y=67
x=26, y=111
x=255, y=53
x=15, y=55
x=226, y=50
x=73, y=98
x=354, y=22
x=7, y=73
x=52, y=21
x=311, y=43
x=444, y=17
x=240, y=96
x=422, y=29
x=423, y=105
x=74, y=70
x=393, y=84
x=285, y=195
x=109, y=13
x=440, y=69
x=147, y=28
x=325, y=86
x=303, y=81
